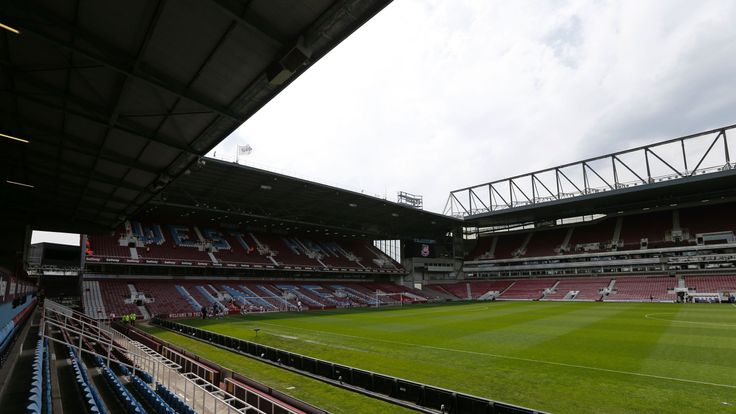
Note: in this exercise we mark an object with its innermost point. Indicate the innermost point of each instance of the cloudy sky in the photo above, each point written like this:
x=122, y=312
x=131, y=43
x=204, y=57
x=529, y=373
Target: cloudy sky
x=431, y=95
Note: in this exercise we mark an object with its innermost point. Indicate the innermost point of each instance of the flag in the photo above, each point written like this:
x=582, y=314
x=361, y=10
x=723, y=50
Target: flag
x=243, y=150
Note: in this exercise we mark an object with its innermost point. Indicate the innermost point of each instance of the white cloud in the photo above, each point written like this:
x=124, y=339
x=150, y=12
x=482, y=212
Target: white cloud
x=432, y=96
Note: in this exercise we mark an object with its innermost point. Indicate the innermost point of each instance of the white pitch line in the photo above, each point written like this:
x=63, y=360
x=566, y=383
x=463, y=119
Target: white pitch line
x=649, y=316
x=536, y=361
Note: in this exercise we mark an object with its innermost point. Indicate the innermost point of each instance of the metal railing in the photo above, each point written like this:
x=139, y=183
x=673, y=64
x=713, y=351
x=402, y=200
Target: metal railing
x=202, y=396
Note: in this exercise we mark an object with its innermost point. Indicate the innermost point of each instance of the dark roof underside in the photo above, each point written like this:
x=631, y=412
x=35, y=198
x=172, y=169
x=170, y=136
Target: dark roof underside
x=227, y=192
x=118, y=98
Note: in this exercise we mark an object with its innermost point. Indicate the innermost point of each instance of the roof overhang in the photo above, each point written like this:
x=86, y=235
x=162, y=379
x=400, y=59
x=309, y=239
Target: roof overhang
x=119, y=98
x=226, y=192
x=713, y=187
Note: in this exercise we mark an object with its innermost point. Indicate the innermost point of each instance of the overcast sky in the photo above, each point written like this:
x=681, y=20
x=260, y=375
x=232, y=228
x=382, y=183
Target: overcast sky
x=432, y=96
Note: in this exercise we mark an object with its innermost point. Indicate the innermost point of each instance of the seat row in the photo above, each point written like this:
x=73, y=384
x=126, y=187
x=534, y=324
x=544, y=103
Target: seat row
x=92, y=399
x=179, y=405
x=40, y=381
x=129, y=401
x=154, y=400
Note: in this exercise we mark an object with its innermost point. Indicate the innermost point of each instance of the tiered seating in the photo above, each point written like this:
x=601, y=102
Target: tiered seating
x=188, y=297
x=191, y=245
x=600, y=232
x=708, y=219
x=173, y=400
x=588, y=288
x=91, y=398
x=653, y=226
x=40, y=395
x=711, y=284
x=151, y=397
x=196, y=293
x=459, y=290
x=482, y=246
x=237, y=254
x=92, y=299
x=107, y=245
x=544, y=242
x=166, y=298
x=307, y=297
x=642, y=288
x=130, y=403
x=286, y=255
x=368, y=253
x=114, y=293
x=478, y=289
x=508, y=245
x=527, y=289
x=401, y=292
x=168, y=250
x=262, y=297
x=324, y=294
x=271, y=294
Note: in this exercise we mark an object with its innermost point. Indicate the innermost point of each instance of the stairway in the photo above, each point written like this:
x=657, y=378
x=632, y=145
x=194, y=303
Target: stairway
x=144, y=312
x=617, y=231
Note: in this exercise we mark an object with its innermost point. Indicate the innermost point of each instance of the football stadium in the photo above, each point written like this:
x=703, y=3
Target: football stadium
x=199, y=285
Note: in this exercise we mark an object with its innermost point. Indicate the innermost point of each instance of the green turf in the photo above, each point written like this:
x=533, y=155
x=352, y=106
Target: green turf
x=559, y=357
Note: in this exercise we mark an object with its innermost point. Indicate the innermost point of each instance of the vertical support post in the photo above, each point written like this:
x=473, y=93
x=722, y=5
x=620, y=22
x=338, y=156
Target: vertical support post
x=490, y=196
x=725, y=148
x=511, y=194
x=684, y=155
x=557, y=177
x=585, y=179
x=646, y=158
x=615, y=172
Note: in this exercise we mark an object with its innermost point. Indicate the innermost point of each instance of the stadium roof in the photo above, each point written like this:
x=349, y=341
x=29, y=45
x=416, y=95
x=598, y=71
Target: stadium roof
x=686, y=169
x=715, y=187
x=227, y=192
x=118, y=98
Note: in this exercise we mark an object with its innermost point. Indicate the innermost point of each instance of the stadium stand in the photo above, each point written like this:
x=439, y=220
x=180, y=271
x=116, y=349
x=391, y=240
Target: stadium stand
x=527, y=289
x=114, y=295
x=155, y=244
x=545, y=242
x=708, y=219
x=642, y=289
x=651, y=226
x=508, y=246
x=592, y=237
x=711, y=283
x=579, y=289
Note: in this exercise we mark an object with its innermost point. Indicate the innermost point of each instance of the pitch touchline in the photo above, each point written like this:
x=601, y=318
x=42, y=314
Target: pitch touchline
x=536, y=361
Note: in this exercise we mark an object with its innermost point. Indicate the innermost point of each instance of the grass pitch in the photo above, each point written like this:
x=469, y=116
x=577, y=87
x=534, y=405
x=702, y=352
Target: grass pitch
x=553, y=356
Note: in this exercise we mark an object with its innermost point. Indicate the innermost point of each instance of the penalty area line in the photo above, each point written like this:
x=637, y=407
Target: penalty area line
x=649, y=316
x=513, y=358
